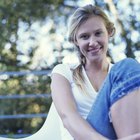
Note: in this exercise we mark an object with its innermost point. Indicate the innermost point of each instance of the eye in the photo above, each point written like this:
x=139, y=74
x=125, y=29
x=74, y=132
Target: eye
x=98, y=33
x=84, y=36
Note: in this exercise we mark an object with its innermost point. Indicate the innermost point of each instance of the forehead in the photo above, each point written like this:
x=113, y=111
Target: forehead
x=91, y=24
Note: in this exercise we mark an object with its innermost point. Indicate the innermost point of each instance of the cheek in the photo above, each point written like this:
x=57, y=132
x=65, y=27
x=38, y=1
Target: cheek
x=82, y=48
x=104, y=41
x=82, y=44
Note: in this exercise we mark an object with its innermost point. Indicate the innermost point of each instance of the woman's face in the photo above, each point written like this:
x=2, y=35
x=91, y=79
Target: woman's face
x=92, y=39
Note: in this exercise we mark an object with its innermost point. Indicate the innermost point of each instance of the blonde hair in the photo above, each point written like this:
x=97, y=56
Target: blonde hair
x=78, y=17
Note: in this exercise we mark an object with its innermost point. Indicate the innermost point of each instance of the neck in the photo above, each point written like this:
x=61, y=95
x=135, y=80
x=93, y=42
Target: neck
x=97, y=66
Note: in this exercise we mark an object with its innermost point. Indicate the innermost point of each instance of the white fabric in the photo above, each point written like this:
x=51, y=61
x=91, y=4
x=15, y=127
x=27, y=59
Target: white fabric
x=84, y=102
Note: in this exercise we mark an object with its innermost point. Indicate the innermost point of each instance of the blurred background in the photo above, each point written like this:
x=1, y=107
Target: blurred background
x=33, y=39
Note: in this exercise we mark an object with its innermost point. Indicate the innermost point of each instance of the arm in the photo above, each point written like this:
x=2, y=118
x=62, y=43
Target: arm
x=66, y=107
x=67, y=110
x=126, y=114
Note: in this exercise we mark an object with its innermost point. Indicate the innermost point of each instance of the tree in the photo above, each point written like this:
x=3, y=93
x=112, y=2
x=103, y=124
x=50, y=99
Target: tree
x=12, y=14
x=127, y=26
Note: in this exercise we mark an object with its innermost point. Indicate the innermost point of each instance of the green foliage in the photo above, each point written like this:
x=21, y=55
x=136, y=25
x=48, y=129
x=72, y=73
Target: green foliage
x=11, y=13
x=29, y=84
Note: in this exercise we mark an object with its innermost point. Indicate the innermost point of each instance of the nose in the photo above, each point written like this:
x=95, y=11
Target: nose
x=93, y=41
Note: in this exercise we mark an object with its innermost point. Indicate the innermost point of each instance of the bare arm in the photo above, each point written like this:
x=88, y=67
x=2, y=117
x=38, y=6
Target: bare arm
x=74, y=123
x=66, y=107
x=126, y=115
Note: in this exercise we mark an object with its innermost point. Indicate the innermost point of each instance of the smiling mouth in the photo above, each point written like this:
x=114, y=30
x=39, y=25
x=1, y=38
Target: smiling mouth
x=95, y=50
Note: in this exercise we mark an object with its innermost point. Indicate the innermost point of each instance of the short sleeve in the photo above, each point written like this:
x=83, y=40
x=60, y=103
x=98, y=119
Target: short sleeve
x=64, y=70
x=125, y=77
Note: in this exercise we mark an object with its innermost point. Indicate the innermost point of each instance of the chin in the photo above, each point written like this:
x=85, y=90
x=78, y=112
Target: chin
x=96, y=58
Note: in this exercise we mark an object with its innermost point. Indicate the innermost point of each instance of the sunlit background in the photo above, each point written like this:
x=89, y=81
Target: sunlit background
x=51, y=47
x=34, y=39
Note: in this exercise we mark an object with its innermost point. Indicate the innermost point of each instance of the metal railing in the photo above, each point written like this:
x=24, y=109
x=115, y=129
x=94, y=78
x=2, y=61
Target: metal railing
x=6, y=75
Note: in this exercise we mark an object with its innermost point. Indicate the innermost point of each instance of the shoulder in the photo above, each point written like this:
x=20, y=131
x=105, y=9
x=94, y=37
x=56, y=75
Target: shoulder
x=65, y=70
x=64, y=67
x=59, y=67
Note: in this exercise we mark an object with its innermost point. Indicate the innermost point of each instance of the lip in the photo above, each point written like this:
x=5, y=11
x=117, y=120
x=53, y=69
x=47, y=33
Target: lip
x=94, y=50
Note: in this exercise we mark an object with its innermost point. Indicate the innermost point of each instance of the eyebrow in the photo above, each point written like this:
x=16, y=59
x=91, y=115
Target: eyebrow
x=83, y=33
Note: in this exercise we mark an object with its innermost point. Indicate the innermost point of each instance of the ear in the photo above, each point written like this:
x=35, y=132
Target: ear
x=111, y=33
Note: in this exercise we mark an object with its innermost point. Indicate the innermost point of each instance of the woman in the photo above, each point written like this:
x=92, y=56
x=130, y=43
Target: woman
x=77, y=89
